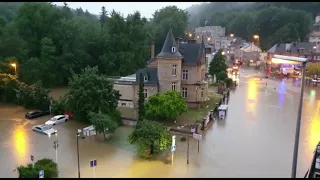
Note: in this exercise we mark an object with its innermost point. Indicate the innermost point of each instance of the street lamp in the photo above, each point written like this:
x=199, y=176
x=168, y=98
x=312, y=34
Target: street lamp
x=78, y=135
x=14, y=65
x=231, y=35
x=208, y=38
x=55, y=145
x=190, y=35
x=303, y=61
x=255, y=37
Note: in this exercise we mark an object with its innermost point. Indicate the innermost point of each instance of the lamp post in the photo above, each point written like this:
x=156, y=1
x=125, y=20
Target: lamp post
x=14, y=65
x=55, y=145
x=78, y=157
x=303, y=61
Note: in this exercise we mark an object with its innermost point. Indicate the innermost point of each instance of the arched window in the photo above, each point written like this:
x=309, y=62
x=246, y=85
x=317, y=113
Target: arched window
x=173, y=49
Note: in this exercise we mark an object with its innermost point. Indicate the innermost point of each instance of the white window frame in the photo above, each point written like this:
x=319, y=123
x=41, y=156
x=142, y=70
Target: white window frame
x=202, y=92
x=184, y=92
x=185, y=74
x=173, y=86
x=145, y=78
x=145, y=93
x=174, y=70
x=173, y=49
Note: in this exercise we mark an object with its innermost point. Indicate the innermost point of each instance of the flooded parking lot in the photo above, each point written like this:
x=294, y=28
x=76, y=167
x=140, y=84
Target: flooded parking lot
x=255, y=140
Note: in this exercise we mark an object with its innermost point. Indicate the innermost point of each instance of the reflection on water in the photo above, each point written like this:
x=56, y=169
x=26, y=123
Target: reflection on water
x=252, y=95
x=20, y=143
x=314, y=128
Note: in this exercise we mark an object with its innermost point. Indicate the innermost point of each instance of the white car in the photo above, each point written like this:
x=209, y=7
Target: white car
x=45, y=129
x=57, y=119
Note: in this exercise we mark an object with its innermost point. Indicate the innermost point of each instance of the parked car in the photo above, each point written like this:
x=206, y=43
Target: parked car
x=45, y=129
x=35, y=114
x=57, y=119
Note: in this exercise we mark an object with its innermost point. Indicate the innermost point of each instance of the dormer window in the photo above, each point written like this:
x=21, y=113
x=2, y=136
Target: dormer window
x=145, y=78
x=173, y=49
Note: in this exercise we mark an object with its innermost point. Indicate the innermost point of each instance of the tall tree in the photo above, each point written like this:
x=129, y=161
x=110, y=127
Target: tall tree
x=103, y=16
x=141, y=110
x=217, y=64
x=91, y=92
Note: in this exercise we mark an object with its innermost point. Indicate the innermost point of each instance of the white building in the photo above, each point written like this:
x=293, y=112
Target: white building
x=223, y=42
x=248, y=52
x=210, y=33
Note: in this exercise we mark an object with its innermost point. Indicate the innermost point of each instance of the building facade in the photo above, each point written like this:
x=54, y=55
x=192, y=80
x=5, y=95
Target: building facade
x=209, y=33
x=180, y=66
x=248, y=52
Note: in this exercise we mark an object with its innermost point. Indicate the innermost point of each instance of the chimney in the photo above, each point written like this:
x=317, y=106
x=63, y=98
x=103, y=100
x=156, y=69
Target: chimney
x=177, y=42
x=152, y=50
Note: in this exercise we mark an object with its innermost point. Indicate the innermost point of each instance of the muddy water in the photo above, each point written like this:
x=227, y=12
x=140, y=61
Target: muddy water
x=255, y=140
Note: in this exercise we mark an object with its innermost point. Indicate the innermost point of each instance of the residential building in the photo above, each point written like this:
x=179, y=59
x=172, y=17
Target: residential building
x=222, y=42
x=209, y=33
x=296, y=49
x=314, y=36
x=248, y=52
x=180, y=66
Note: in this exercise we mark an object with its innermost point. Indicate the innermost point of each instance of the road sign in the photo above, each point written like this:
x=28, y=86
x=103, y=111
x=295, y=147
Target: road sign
x=173, y=148
x=93, y=163
x=197, y=136
x=41, y=174
x=32, y=158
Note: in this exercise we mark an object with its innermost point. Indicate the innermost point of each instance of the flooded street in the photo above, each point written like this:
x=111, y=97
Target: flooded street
x=255, y=140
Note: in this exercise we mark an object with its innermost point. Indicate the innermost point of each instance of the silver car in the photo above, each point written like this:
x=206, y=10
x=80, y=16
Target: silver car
x=57, y=119
x=45, y=129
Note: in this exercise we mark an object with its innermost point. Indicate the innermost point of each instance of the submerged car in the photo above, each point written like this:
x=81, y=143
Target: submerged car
x=35, y=114
x=45, y=129
x=57, y=119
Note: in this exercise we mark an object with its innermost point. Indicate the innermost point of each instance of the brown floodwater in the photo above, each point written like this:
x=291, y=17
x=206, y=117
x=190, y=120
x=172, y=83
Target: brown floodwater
x=255, y=140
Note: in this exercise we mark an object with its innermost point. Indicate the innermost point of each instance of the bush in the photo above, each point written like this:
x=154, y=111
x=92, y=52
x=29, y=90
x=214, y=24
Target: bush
x=33, y=96
x=49, y=167
x=229, y=82
x=8, y=86
x=59, y=106
x=222, y=76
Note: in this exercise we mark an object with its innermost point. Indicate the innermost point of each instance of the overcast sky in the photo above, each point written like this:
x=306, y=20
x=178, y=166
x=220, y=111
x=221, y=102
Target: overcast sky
x=146, y=8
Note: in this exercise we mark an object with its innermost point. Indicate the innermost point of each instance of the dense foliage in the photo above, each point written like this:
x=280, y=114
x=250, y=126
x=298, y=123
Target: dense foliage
x=29, y=96
x=217, y=64
x=49, y=167
x=91, y=91
x=313, y=69
x=49, y=43
x=274, y=22
x=150, y=137
x=165, y=107
x=103, y=123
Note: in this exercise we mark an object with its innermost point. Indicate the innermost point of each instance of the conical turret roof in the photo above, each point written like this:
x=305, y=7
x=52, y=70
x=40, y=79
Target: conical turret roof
x=169, y=49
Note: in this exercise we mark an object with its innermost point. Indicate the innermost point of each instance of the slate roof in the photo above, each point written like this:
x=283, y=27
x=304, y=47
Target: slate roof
x=152, y=74
x=166, y=51
x=190, y=53
x=293, y=47
x=316, y=25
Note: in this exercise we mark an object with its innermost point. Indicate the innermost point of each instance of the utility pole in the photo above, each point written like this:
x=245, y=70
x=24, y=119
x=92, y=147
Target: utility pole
x=188, y=151
x=78, y=134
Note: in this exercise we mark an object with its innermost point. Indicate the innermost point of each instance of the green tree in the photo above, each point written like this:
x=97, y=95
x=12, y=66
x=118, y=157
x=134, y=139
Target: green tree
x=33, y=96
x=150, y=137
x=91, y=92
x=59, y=106
x=222, y=76
x=103, y=123
x=141, y=110
x=217, y=64
x=166, y=106
x=103, y=16
x=49, y=167
x=166, y=18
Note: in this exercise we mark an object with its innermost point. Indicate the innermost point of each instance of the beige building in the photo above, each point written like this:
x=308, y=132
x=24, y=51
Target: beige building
x=248, y=52
x=180, y=67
